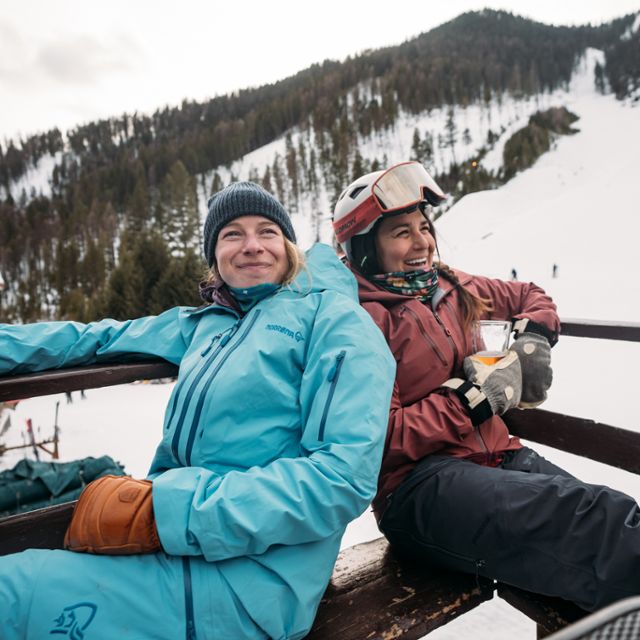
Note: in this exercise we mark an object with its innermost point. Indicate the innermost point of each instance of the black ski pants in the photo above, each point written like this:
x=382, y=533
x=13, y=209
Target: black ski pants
x=527, y=523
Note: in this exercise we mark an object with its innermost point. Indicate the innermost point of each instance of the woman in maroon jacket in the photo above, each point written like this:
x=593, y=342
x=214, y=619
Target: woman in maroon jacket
x=455, y=488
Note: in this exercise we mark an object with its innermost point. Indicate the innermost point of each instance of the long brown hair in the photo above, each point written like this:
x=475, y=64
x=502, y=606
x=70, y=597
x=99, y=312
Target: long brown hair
x=473, y=307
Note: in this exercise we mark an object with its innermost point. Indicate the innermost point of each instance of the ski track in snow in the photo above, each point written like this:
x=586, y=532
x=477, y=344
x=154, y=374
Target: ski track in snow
x=577, y=207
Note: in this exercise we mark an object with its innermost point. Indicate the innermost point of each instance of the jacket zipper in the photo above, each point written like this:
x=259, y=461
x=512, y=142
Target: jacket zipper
x=333, y=376
x=196, y=416
x=206, y=350
x=425, y=335
x=447, y=332
x=179, y=386
x=453, y=314
x=188, y=600
x=176, y=436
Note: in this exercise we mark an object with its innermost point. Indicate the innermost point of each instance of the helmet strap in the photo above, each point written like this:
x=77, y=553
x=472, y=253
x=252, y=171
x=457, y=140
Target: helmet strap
x=364, y=254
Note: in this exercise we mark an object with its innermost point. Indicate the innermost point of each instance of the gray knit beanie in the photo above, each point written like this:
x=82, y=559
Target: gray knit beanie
x=241, y=199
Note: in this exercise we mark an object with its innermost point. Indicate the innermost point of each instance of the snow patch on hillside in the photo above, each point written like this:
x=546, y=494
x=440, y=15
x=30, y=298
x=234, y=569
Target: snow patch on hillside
x=36, y=181
x=635, y=26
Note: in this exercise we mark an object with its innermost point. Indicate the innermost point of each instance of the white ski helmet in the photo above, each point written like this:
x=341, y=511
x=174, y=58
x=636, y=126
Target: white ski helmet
x=399, y=189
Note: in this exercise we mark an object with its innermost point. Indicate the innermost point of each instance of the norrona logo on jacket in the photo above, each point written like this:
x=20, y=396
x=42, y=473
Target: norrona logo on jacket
x=74, y=620
x=297, y=336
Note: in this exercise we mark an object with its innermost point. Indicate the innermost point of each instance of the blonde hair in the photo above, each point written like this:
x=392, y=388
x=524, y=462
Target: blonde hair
x=295, y=257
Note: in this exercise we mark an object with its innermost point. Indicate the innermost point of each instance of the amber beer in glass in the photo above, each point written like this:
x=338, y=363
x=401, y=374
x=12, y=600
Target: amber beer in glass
x=490, y=340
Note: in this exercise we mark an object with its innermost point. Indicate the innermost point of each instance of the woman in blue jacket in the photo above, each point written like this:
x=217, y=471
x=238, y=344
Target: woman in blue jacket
x=270, y=446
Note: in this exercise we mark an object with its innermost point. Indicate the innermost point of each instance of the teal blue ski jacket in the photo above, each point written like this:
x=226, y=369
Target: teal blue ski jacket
x=271, y=442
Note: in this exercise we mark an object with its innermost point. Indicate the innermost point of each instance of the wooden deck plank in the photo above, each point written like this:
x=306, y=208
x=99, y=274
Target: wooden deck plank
x=375, y=595
x=580, y=436
x=45, y=383
x=39, y=529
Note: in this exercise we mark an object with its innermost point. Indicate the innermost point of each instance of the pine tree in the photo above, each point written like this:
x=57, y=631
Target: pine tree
x=138, y=209
x=358, y=168
x=451, y=132
x=216, y=183
x=416, y=146
x=123, y=294
x=266, y=179
x=178, y=284
x=292, y=172
x=180, y=222
x=599, y=78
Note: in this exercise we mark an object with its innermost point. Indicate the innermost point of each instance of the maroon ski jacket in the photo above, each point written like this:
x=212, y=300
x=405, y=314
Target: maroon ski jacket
x=429, y=345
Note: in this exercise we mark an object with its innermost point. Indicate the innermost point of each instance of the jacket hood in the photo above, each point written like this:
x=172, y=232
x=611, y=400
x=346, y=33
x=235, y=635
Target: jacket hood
x=370, y=292
x=325, y=272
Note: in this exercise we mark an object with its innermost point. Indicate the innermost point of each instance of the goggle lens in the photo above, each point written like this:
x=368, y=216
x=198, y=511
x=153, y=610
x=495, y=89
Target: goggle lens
x=406, y=185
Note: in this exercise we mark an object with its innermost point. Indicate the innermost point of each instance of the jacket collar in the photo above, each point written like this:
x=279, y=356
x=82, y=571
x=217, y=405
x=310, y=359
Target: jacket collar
x=323, y=272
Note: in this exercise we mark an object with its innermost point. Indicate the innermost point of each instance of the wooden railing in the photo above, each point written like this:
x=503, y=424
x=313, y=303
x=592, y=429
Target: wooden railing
x=372, y=593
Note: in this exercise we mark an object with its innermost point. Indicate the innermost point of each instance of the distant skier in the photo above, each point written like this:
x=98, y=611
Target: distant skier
x=554, y=271
x=514, y=274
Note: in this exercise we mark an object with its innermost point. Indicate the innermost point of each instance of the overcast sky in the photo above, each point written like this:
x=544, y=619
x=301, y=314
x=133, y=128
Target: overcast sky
x=65, y=62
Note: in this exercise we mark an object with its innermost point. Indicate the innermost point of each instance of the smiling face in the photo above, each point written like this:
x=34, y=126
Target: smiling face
x=251, y=251
x=404, y=243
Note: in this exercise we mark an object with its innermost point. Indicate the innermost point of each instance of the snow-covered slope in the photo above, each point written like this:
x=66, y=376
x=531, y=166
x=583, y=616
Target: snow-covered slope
x=577, y=207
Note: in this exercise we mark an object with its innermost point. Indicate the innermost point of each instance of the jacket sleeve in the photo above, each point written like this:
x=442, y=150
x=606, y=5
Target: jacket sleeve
x=516, y=300
x=55, y=345
x=344, y=398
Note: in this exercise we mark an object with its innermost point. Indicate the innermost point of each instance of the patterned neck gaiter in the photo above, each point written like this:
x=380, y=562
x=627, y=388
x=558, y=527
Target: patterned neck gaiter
x=420, y=284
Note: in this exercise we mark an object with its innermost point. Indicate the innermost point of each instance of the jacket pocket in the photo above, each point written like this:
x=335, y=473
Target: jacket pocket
x=333, y=376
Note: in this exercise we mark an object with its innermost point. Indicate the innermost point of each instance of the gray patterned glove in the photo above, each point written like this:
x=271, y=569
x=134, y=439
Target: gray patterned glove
x=501, y=382
x=534, y=353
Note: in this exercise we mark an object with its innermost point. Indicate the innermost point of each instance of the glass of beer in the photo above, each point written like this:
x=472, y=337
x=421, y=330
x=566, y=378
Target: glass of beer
x=490, y=340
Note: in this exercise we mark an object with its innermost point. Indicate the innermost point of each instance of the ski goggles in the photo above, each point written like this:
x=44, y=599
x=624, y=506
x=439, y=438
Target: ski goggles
x=405, y=186
x=399, y=189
